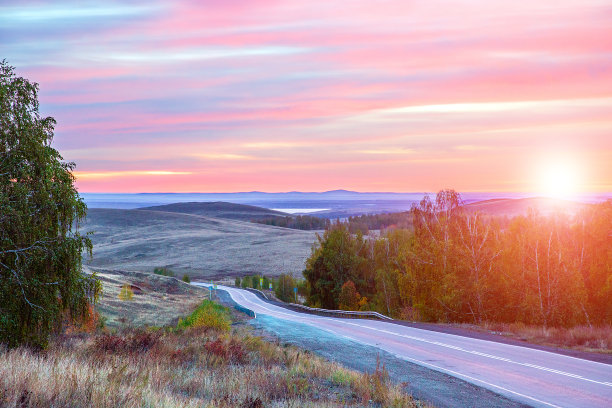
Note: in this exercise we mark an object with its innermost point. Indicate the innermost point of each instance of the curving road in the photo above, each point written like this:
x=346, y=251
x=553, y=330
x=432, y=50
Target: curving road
x=534, y=377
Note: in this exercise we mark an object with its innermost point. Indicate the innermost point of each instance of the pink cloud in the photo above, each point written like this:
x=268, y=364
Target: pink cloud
x=303, y=84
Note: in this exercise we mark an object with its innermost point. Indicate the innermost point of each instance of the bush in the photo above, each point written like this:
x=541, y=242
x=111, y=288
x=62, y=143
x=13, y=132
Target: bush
x=186, y=278
x=137, y=341
x=266, y=283
x=237, y=282
x=209, y=314
x=126, y=292
x=163, y=271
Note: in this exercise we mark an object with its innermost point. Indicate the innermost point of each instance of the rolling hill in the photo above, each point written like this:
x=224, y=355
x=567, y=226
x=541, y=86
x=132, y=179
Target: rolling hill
x=202, y=247
x=219, y=209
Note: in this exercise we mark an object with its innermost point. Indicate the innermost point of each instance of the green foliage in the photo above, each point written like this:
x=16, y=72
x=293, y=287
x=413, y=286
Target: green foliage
x=460, y=266
x=366, y=222
x=186, y=278
x=245, y=282
x=126, y=293
x=163, y=271
x=284, y=288
x=338, y=256
x=237, y=282
x=342, y=378
x=40, y=247
x=349, y=297
x=208, y=314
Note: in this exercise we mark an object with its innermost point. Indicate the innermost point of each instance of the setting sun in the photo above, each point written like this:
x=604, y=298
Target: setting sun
x=559, y=179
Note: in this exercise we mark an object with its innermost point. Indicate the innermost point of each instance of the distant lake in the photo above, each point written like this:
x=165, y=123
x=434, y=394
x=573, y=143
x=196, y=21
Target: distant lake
x=300, y=210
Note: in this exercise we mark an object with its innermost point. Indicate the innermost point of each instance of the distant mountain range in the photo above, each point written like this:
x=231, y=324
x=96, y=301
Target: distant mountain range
x=328, y=204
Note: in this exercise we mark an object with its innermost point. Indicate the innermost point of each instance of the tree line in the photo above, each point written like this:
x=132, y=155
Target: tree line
x=301, y=222
x=367, y=222
x=283, y=286
x=460, y=266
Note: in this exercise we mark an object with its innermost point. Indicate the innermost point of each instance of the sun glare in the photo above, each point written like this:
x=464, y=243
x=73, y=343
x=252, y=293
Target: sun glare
x=559, y=180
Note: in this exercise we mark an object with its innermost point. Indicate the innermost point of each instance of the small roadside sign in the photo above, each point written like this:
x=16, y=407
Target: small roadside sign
x=261, y=283
x=270, y=286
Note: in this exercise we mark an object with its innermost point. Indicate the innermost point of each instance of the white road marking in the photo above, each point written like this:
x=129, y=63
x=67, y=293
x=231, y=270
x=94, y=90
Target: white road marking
x=437, y=343
x=308, y=320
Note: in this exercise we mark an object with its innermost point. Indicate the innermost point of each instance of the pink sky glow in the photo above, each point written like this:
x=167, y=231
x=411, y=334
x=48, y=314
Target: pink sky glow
x=223, y=96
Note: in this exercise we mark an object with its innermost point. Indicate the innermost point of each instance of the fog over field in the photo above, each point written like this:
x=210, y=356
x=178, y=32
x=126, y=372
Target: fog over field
x=202, y=247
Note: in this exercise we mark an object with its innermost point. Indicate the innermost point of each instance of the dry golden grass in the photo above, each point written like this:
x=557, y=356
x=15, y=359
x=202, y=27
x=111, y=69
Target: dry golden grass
x=192, y=368
x=584, y=338
x=158, y=302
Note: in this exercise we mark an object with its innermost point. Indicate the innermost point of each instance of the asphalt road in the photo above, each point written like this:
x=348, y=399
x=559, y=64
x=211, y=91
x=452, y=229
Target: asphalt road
x=533, y=377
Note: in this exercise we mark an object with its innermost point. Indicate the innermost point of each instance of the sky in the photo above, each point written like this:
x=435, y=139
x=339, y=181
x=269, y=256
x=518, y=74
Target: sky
x=386, y=95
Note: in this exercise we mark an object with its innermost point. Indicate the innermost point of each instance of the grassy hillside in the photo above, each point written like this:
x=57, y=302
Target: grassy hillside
x=202, y=247
x=219, y=209
x=156, y=300
x=197, y=364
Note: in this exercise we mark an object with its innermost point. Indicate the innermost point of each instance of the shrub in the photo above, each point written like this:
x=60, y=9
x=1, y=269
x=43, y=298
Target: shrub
x=231, y=350
x=163, y=271
x=237, y=282
x=138, y=341
x=209, y=314
x=342, y=377
x=186, y=278
x=126, y=292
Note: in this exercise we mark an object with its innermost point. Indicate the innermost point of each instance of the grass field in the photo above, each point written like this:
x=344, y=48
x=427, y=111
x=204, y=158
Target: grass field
x=205, y=248
x=156, y=300
x=200, y=362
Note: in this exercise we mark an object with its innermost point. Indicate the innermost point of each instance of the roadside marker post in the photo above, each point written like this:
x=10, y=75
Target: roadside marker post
x=270, y=286
x=261, y=283
x=295, y=291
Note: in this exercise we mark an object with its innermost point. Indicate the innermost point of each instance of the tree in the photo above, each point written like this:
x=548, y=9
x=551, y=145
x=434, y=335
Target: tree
x=284, y=288
x=349, y=297
x=41, y=281
x=126, y=293
x=337, y=257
